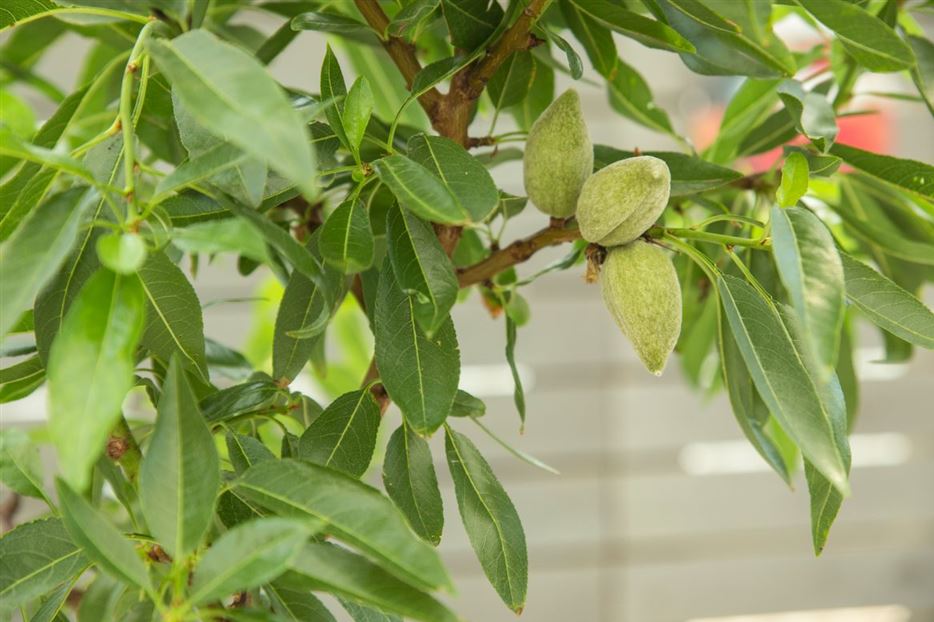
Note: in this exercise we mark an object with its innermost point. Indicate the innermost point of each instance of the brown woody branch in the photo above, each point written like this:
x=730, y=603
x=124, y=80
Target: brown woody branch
x=517, y=252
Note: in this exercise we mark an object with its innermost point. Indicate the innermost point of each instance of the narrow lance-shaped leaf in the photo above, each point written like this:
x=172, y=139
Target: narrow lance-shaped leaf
x=420, y=374
x=91, y=369
x=343, y=437
x=354, y=512
x=421, y=268
x=180, y=473
x=230, y=93
x=490, y=519
x=794, y=180
x=419, y=191
x=173, y=320
x=37, y=556
x=810, y=269
x=328, y=568
x=20, y=466
x=249, y=555
x=245, y=451
x=647, y=31
x=511, y=82
x=303, y=307
x=887, y=305
x=296, y=605
x=781, y=377
x=358, y=106
x=346, y=240
x=21, y=379
x=689, y=174
x=102, y=543
x=410, y=481
x=811, y=112
x=912, y=175
x=332, y=86
x=518, y=392
x=32, y=255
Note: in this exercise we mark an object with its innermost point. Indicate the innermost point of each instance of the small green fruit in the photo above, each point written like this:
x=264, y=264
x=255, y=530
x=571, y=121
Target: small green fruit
x=641, y=290
x=621, y=201
x=558, y=157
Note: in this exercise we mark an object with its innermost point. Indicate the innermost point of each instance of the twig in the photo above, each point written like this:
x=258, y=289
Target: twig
x=8, y=510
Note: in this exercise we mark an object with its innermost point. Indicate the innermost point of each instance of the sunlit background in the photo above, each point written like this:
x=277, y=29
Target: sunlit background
x=661, y=512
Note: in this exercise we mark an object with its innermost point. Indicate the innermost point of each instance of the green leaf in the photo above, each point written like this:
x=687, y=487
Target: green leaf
x=597, y=41
x=173, y=318
x=296, y=605
x=230, y=93
x=750, y=411
x=91, y=369
x=868, y=39
x=811, y=271
x=410, y=481
x=19, y=380
x=923, y=73
x=123, y=253
x=249, y=555
x=37, y=556
x=471, y=22
x=911, y=175
x=303, y=306
x=631, y=96
x=794, y=179
x=358, y=106
x=420, y=374
x=51, y=608
x=238, y=400
x=15, y=11
x=490, y=519
x=332, y=569
x=780, y=376
x=421, y=267
x=735, y=40
x=361, y=613
x=411, y=16
x=328, y=22
x=466, y=405
x=419, y=191
x=812, y=113
x=343, y=437
x=752, y=101
x=34, y=253
x=689, y=174
x=464, y=177
x=511, y=82
x=354, y=513
x=647, y=31
x=333, y=87
x=346, y=240
x=575, y=66
x=102, y=543
x=245, y=451
x=180, y=474
x=20, y=466
x=887, y=305
x=541, y=94
x=518, y=392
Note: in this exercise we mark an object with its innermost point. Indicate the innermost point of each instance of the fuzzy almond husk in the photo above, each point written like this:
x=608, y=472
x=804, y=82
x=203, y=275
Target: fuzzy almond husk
x=558, y=157
x=621, y=201
x=641, y=290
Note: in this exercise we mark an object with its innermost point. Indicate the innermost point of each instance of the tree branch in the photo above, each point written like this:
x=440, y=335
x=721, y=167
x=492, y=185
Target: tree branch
x=517, y=252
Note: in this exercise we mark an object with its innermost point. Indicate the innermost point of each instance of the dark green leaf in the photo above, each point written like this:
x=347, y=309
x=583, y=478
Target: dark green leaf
x=596, y=39
x=249, y=555
x=353, y=511
x=630, y=96
x=358, y=106
x=20, y=466
x=868, y=39
x=812, y=113
x=303, y=306
x=810, y=269
x=16, y=11
x=333, y=87
x=464, y=177
x=332, y=569
x=180, y=474
x=361, y=613
x=51, y=608
x=914, y=176
x=91, y=369
x=173, y=318
x=420, y=374
x=888, y=305
x=346, y=240
x=296, y=605
x=238, y=400
x=753, y=100
x=575, y=66
x=689, y=174
x=411, y=16
x=644, y=30
x=923, y=72
x=328, y=22
x=541, y=93
x=471, y=22
x=511, y=82
x=466, y=405
x=102, y=543
x=410, y=481
x=490, y=519
x=34, y=253
x=343, y=437
x=19, y=380
x=245, y=451
x=780, y=376
x=419, y=191
x=229, y=92
x=518, y=393
x=421, y=268
x=37, y=557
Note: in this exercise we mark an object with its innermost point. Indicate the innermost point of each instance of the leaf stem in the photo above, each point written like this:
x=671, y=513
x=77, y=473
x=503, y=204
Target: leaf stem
x=127, y=123
x=716, y=238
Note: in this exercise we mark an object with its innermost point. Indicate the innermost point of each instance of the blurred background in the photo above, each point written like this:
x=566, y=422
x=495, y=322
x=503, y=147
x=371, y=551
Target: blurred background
x=661, y=512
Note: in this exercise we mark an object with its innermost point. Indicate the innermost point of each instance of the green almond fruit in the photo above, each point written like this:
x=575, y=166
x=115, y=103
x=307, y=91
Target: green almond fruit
x=558, y=157
x=641, y=290
x=620, y=202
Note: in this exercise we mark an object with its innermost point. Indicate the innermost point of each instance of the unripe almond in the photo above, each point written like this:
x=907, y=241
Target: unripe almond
x=622, y=200
x=641, y=290
x=558, y=157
